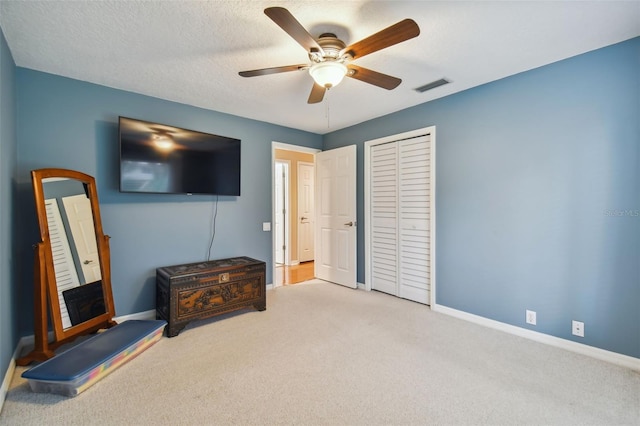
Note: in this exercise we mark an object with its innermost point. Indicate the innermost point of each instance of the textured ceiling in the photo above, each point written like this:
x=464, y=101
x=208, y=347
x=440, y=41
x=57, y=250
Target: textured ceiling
x=191, y=51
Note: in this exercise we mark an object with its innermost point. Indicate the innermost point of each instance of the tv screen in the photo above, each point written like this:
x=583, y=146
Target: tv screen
x=156, y=158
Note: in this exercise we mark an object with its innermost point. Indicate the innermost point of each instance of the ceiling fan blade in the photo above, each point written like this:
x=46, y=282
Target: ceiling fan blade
x=273, y=70
x=397, y=33
x=317, y=93
x=373, y=77
x=291, y=26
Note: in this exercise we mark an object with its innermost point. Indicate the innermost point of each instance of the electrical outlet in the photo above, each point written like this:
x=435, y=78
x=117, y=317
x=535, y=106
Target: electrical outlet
x=531, y=317
x=577, y=328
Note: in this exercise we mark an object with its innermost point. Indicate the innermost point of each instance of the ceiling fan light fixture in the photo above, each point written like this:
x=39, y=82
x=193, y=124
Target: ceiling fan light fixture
x=328, y=73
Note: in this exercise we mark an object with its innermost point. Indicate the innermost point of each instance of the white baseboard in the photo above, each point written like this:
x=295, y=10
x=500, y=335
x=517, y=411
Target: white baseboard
x=591, y=351
x=146, y=315
x=6, y=382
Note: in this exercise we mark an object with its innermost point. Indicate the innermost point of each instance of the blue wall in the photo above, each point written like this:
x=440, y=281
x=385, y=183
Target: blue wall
x=72, y=124
x=8, y=159
x=538, y=196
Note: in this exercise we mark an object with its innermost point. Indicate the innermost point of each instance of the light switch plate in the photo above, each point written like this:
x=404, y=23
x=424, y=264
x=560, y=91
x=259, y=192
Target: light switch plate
x=266, y=226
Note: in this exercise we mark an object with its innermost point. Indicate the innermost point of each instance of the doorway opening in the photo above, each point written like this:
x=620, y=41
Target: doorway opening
x=293, y=189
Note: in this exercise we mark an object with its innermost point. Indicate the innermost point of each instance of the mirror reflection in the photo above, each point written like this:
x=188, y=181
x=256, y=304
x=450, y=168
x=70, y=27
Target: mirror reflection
x=74, y=250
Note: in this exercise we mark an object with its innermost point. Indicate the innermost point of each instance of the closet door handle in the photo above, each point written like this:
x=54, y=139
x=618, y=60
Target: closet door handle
x=349, y=224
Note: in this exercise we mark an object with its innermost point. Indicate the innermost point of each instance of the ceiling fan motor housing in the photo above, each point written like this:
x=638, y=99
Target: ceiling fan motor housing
x=331, y=45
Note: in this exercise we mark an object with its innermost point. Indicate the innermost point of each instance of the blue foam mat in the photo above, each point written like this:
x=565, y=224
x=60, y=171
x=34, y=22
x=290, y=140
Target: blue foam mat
x=77, y=361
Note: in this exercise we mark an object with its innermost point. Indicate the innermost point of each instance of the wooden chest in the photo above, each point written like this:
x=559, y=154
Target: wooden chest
x=194, y=291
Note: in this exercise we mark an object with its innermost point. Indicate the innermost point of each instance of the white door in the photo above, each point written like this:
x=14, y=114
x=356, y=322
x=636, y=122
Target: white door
x=80, y=217
x=335, y=254
x=306, y=213
x=384, y=218
x=414, y=219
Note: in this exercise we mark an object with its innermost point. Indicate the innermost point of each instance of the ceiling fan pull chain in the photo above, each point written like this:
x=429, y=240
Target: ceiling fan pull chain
x=328, y=109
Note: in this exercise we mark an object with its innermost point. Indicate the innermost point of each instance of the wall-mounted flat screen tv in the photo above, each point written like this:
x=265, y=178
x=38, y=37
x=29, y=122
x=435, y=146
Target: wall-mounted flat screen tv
x=156, y=158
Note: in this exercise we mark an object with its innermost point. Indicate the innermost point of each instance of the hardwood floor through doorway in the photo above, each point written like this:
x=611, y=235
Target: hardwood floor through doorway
x=288, y=275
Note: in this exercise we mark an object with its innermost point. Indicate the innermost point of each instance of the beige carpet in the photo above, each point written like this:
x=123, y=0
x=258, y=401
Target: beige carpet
x=324, y=354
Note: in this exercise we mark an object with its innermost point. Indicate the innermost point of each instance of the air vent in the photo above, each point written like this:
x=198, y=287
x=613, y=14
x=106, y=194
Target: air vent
x=432, y=85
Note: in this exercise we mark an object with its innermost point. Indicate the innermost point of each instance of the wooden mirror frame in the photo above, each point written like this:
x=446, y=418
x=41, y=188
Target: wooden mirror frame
x=46, y=302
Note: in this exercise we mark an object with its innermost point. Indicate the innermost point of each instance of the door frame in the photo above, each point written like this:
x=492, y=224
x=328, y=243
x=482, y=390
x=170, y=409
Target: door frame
x=286, y=255
x=288, y=147
x=431, y=131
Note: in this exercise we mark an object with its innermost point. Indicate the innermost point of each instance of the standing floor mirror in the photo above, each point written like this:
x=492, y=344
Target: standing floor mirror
x=72, y=278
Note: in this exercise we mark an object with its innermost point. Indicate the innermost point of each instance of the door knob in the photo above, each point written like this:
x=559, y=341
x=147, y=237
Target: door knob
x=303, y=218
x=86, y=262
x=349, y=224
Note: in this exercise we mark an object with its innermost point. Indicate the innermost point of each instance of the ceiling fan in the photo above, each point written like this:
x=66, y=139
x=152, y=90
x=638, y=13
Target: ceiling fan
x=331, y=59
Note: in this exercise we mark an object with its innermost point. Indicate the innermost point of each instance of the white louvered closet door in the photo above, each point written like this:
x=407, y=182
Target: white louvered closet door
x=400, y=212
x=414, y=209
x=384, y=215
